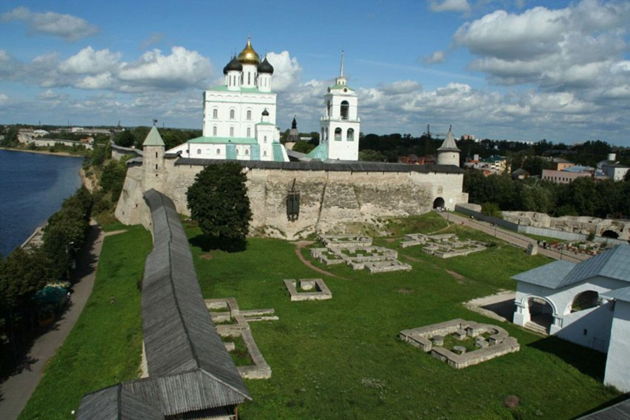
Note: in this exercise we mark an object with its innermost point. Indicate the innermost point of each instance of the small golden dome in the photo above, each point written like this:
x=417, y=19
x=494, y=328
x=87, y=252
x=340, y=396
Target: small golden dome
x=248, y=55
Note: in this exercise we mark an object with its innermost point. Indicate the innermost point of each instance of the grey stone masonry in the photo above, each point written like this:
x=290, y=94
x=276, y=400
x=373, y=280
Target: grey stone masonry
x=344, y=241
x=491, y=341
x=234, y=322
x=445, y=245
x=319, y=290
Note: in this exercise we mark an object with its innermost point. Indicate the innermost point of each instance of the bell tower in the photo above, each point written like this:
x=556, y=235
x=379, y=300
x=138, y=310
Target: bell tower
x=340, y=123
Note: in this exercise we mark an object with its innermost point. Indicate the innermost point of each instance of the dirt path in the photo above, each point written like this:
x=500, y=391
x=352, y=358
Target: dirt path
x=298, y=248
x=17, y=389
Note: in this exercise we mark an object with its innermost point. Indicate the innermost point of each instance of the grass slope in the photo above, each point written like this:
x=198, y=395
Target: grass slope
x=105, y=345
x=341, y=359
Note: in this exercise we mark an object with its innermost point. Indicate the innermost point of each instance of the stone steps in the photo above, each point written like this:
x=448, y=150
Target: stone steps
x=536, y=328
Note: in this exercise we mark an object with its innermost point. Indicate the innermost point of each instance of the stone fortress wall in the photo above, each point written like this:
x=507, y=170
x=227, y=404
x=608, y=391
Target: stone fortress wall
x=331, y=201
x=575, y=224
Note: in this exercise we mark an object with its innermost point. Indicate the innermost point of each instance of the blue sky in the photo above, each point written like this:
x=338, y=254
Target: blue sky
x=500, y=69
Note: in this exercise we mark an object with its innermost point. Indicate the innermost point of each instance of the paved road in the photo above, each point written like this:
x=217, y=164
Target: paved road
x=17, y=389
x=514, y=238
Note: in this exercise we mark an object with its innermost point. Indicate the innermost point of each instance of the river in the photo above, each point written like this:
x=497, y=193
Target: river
x=32, y=188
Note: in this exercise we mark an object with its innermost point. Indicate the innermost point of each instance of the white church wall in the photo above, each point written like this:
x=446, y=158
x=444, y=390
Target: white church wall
x=588, y=328
x=618, y=360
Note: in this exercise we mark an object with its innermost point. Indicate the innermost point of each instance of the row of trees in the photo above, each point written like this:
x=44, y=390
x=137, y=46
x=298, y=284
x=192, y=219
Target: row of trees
x=172, y=137
x=26, y=271
x=583, y=197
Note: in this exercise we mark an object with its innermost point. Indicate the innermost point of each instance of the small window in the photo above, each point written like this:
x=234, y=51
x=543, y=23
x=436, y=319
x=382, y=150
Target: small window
x=156, y=166
x=264, y=153
x=231, y=114
x=249, y=132
x=265, y=139
x=350, y=134
x=215, y=113
x=214, y=131
x=246, y=152
x=155, y=154
x=338, y=134
x=198, y=151
x=249, y=115
x=231, y=131
x=218, y=151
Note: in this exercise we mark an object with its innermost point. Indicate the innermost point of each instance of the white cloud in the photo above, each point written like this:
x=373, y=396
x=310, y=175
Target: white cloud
x=286, y=70
x=435, y=57
x=3, y=99
x=578, y=49
x=89, y=61
x=449, y=5
x=181, y=68
x=68, y=27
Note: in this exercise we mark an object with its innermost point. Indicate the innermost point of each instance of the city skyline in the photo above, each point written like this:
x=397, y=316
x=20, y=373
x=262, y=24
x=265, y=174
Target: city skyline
x=522, y=70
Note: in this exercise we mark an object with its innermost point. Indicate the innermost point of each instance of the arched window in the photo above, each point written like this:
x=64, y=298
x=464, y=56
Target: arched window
x=215, y=113
x=345, y=107
x=249, y=78
x=246, y=152
x=249, y=131
x=214, y=131
x=350, y=134
x=264, y=153
x=249, y=115
x=585, y=300
x=338, y=134
x=231, y=131
x=265, y=139
x=231, y=114
x=198, y=151
x=218, y=151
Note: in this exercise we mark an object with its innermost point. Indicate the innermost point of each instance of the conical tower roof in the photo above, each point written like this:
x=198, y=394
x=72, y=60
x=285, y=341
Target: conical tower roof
x=153, y=138
x=449, y=143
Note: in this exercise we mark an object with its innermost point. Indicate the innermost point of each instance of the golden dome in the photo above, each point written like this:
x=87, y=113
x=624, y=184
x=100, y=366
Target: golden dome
x=248, y=55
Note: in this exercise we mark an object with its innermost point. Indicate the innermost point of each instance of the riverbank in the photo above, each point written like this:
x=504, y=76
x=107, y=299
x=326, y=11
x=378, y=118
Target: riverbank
x=42, y=152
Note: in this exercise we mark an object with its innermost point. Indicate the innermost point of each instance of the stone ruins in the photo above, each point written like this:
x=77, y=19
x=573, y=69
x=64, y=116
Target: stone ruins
x=461, y=343
x=231, y=322
x=446, y=245
x=358, y=253
x=307, y=289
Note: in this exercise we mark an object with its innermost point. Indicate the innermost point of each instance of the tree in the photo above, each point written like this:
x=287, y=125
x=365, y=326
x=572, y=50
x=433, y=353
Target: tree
x=124, y=138
x=303, y=146
x=218, y=202
x=368, y=155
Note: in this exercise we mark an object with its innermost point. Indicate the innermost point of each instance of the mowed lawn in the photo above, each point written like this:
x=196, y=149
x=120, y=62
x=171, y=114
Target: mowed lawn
x=105, y=345
x=341, y=358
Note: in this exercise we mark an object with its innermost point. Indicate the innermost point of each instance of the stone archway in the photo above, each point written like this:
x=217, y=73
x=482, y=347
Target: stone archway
x=610, y=234
x=540, y=312
x=438, y=203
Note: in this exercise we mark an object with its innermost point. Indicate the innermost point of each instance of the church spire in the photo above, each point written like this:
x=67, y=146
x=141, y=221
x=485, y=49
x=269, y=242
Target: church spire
x=341, y=66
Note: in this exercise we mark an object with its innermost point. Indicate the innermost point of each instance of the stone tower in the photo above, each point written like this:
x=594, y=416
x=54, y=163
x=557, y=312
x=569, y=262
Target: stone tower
x=448, y=153
x=153, y=160
x=340, y=123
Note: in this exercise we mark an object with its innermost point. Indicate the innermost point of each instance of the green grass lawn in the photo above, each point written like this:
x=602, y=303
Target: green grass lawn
x=105, y=345
x=341, y=358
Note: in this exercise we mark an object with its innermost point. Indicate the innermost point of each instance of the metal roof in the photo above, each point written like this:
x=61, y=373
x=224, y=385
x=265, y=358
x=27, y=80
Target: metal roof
x=619, y=294
x=618, y=411
x=314, y=165
x=449, y=143
x=153, y=138
x=613, y=263
x=548, y=275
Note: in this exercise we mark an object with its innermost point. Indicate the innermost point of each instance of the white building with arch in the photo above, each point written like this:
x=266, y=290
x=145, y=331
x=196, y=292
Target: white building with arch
x=586, y=303
x=239, y=117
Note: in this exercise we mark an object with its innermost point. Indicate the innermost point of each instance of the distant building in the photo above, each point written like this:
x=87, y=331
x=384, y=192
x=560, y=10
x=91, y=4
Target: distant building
x=448, y=153
x=417, y=160
x=239, y=117
x=294, y=134
x=520, y=173
x=491, y=165
x=561, y=164
x=612, y=168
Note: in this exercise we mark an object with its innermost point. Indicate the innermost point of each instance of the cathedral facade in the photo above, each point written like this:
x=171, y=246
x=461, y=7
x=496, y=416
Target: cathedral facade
x=239, y=117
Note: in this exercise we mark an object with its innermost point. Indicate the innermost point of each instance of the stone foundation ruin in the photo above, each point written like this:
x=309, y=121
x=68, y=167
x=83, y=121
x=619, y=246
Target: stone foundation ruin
x=309, y=289
x=446, y=245
x=232, y=322
x=358, y=253
x=452, y=342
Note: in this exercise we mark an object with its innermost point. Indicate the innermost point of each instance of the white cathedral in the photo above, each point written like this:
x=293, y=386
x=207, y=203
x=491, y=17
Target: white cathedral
x=239, y=117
